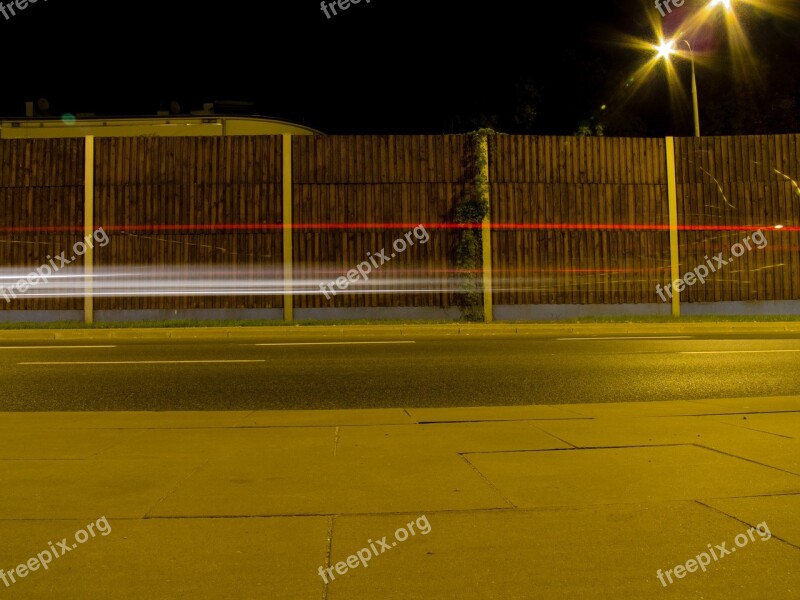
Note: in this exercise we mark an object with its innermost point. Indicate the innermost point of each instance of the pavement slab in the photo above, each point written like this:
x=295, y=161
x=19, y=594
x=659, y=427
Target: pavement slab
x=772, y=450
x=628, y=474
x=71, y=489
x=57, y=444
x=123, y=420
x=651, y=431
x=170, y=559
x=447, y=438
x=589, y=552
x=322, y=418
x=222, y=443
x=781, y=424
x=297, y=485
x=492, y=413
x=540, y=502
x=753, y=405
x=779, y=512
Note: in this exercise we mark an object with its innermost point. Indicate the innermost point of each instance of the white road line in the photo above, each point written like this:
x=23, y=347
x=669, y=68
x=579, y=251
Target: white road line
x=330, y=343
x=49, y=347
x=741, y=352
x=660, y=337
x=142, y=362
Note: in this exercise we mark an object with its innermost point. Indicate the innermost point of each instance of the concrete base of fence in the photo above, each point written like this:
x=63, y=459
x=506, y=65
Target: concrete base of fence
x=300, y=314
x=555, y=312
x=40, y=316
x=526, y=312
x=236, y=314
x=192, y=314
x=775, y=307
x=379, y=314
x=120, y=316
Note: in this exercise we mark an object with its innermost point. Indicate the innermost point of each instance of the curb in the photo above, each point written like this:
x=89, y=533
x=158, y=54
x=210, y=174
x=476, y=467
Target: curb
x=530, y=329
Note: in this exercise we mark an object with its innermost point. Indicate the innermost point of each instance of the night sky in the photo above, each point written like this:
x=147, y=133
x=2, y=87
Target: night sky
x=394, y=66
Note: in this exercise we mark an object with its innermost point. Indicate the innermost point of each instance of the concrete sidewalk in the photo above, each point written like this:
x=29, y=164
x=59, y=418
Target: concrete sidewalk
x=540, y=502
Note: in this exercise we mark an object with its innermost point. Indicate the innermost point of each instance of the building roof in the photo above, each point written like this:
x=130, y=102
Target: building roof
x=173, y=125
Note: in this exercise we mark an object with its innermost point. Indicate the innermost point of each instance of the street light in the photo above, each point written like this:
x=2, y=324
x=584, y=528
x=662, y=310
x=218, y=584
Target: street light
x=695, y=105
x=665, y=50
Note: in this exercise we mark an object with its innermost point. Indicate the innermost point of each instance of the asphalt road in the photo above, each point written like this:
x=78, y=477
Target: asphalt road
x=382, y=371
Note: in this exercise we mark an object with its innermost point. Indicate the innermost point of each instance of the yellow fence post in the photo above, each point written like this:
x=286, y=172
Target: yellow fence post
x=486, y=233
x=672, y=188
x=88, y=229
x=288, y=255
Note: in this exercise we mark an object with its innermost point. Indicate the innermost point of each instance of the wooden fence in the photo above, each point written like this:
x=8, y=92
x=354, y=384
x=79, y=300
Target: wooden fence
x=41, y=209
x=726, y=187
x=378, y=188
x=181, y=202
x=573, y=220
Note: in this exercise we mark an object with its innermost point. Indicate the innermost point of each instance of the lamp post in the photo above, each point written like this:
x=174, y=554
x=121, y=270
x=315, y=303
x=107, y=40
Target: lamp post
x=665, y=50
x=695, y=104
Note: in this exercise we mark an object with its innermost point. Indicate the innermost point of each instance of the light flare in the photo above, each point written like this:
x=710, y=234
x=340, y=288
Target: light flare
x=665, y=49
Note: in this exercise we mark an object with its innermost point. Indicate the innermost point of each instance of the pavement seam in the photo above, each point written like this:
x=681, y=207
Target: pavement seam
x=225, y=427
x=551, y=508
x=116, y=444
x=328, y=553
x=176, y=487
x=523, y=420
x=716, y=402
x=780, y=435
x=726, y=414
x=579, y=448
x=248, y=415
x=755, y=462
x=45, y=459
x=335, y=440
x=375, y=424
x=566, y=408
x=735, y=518
x=357, y=515
x=554, y=436
x=310, y=515
x=753, y=496
x=486, y=480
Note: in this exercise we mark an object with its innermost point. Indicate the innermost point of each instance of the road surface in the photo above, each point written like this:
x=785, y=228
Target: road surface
x=311, y=371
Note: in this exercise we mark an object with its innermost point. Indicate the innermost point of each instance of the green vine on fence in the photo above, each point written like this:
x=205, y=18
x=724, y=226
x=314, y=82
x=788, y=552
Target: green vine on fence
x=471, y=210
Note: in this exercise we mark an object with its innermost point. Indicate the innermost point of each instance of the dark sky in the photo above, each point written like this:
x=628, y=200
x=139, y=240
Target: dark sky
x=389, y=66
